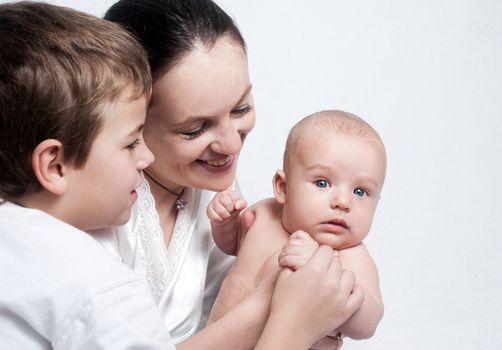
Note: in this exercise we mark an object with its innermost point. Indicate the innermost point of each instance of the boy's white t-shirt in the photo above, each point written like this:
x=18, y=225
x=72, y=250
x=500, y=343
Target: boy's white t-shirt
x=61, y=289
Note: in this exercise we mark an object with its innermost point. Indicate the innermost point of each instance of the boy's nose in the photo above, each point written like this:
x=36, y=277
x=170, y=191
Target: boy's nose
x=146, y=157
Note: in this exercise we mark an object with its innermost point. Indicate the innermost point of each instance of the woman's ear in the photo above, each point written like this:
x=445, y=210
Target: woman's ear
x=48, y=166
x=279, y=185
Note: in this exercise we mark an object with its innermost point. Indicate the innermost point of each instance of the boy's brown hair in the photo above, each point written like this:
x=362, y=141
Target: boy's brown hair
x=59, y=70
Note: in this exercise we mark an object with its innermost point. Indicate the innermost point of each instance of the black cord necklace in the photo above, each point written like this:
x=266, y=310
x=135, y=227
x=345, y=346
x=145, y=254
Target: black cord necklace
x=180, y=202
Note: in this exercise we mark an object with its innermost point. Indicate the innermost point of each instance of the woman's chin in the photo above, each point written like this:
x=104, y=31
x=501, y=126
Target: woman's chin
x=217, y=184
x=217, y=179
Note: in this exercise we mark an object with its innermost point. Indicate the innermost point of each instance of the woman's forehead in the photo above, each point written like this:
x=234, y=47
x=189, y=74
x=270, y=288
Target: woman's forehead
x=207, y=81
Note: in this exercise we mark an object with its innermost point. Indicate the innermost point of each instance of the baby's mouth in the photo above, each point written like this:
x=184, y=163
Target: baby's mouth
x=338, y=222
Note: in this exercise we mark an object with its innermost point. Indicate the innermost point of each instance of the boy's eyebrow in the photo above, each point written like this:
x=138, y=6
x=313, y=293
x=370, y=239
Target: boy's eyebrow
x=137, y=130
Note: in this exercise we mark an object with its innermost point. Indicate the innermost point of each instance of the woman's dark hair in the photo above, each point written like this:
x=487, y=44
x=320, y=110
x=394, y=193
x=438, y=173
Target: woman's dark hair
x=169, y=29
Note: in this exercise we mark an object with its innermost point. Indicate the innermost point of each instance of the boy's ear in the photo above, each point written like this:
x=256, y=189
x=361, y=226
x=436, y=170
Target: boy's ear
x=279, y=184
x=47, y=163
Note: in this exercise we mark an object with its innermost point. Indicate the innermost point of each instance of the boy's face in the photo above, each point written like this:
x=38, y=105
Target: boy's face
x=103, y=191
x=333, y=185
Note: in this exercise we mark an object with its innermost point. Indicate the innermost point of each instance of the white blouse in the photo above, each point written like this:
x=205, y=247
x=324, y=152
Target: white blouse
x=184, y=277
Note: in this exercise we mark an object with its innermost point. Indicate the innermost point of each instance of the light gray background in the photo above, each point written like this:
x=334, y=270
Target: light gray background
x=427, y=75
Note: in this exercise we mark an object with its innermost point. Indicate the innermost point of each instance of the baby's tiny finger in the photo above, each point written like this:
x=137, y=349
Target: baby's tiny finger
x=221, y=211
x=226, y=202
x=212, y=215
x=240, y=204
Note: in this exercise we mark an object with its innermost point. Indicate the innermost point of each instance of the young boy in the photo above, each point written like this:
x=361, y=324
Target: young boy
x=73, y=95
x=334, y=169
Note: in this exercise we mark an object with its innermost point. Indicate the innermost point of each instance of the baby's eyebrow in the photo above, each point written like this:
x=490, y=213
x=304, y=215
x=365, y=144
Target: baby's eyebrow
x=369, y=180
x=319, y=167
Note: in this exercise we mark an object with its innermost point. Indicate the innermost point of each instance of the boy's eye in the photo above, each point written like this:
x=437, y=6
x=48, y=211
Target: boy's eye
x=195, y=132
x=360, y=192
x=242, y=110
x=133, y=145
x=321, y=183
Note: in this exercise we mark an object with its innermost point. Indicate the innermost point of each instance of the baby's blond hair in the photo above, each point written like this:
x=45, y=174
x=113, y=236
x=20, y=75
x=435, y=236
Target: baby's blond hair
x=336, y=121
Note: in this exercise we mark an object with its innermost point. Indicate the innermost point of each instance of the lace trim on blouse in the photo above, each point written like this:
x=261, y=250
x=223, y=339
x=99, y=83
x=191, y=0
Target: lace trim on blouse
x=162, y=265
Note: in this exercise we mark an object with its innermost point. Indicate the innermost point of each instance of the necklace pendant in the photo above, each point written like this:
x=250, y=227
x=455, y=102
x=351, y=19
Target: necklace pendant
x=181, y=203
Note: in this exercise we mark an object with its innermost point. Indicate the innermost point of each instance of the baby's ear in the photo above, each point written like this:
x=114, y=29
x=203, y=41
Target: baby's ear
x=279, y=184
x=48, y=166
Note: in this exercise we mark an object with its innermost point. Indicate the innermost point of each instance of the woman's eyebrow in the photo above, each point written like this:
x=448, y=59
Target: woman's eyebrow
x=196, y=118
x=189, y=120
x=245, y=94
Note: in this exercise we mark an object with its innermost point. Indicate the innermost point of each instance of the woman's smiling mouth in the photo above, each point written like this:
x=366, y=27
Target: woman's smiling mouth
x=218, y=165
x=218, y=162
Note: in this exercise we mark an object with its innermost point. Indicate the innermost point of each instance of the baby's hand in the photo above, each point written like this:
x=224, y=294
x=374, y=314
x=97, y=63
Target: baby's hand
x=226, y=224
x=297, y=251
x=225, y=206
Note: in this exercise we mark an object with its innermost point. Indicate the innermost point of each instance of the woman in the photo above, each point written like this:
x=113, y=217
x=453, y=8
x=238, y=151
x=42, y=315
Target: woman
x=200, y=113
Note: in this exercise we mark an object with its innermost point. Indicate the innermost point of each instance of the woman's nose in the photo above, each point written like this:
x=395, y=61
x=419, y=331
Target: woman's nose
x=228, y=140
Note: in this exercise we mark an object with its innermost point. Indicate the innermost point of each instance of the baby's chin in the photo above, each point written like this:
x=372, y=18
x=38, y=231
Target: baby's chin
x=335, y=241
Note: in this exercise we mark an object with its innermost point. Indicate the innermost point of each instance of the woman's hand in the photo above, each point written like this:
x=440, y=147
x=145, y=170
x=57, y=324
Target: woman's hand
x=309, y=303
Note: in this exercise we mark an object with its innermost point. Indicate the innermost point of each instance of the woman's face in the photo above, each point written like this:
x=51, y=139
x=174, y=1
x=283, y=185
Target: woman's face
x=200, y=113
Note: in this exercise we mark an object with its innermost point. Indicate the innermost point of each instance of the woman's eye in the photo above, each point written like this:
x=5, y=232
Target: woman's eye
x=133, y=145
x=360, y=192
x=195, y=132
x=321, y=183
x=243, y=110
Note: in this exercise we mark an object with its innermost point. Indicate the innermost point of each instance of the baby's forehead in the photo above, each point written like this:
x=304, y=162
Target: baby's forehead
x=312, y=151
x=316, y=141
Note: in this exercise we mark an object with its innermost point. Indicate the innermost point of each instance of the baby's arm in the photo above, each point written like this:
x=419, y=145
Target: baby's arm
x=264, y=238
x=224, y=213
x=362, y=324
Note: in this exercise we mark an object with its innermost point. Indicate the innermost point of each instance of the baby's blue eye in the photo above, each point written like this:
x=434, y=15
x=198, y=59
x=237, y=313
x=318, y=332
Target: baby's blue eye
x=321, y=183
x=360, y=192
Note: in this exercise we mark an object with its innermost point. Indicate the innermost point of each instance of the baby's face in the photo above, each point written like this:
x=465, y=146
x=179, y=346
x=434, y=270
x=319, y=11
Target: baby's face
x=333, y=185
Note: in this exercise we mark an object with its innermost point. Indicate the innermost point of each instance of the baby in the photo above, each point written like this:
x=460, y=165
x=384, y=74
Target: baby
x=327, y=193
